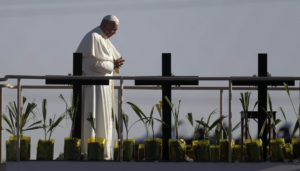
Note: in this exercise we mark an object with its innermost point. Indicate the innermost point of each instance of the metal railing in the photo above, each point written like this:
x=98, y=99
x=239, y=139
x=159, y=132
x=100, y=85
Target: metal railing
x=121, y=88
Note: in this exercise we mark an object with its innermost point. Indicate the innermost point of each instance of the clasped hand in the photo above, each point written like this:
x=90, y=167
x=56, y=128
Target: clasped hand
x=118, y=62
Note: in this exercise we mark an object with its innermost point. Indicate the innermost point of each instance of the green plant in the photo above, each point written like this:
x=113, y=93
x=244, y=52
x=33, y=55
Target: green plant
x=148, y=121
x=273, y=122
x=52, y=123
x=152, y=146
x=25, y=118
x=71, y=111
x=125, y=119
x=141, y=115
x=297, y=124
x=245, y=101
x=207, y=128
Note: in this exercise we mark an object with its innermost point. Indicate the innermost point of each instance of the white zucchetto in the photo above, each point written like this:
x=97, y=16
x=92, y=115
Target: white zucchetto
x=111, y=18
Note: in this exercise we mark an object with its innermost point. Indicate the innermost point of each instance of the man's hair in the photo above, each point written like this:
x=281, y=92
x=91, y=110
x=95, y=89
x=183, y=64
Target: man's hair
x=109, y=19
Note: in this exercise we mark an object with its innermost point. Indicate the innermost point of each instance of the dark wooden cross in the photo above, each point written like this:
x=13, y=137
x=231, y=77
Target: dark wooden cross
x=262, y=95
x=166, y=91
x=77, y=83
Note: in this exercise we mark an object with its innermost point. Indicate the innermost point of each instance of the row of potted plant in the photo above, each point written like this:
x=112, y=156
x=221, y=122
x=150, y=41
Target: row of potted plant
x=151, y=150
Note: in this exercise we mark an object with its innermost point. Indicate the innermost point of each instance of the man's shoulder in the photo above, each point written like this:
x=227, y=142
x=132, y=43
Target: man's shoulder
x=96, y=32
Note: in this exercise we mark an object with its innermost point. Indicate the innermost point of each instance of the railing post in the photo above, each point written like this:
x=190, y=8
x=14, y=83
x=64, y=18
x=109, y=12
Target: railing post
x=120, y=121
x=19, y=89
x=1, y=111
x=229, y=121
x=221, y=111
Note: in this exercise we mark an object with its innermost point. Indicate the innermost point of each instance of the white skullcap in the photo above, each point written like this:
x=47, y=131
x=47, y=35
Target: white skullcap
x=111, y=18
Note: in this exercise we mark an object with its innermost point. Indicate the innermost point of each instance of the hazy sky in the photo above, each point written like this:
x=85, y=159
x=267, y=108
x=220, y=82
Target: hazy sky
x=205, y=37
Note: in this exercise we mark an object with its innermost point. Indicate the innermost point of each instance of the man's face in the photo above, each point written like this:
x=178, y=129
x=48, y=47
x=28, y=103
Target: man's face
x=110, y=29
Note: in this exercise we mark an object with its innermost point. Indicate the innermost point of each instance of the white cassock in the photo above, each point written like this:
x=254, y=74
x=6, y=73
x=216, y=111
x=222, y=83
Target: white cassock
x=98, y=55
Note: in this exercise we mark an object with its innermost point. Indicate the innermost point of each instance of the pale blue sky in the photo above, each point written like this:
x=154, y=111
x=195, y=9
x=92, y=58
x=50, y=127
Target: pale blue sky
x=205, y=37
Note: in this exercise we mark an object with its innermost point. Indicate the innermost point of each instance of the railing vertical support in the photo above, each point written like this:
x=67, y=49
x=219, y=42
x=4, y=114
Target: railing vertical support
x=1, y=111
x=229, y=121
x=221, y=111
x=120, y=121
x=19, y=89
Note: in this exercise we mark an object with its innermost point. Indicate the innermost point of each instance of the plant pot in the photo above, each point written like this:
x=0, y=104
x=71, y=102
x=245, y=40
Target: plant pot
x=288, y=151
x=11, y=148
x=254, y=150
x=141, y=152
x=296, y=147
x=236, y=153
x=224, y=149
x=72, y=149
x=128, y=149
x=153, y=149
x=277, y=149
x=176, y=150
x=45, y=150
x=190, y=152
x=215, y=153
x=96, y=148
x=116, y=152
x=202, y=150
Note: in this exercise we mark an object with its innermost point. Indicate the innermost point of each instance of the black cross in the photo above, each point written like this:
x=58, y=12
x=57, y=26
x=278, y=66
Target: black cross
x=77, y=71
x=262, y=95
x=166, y=91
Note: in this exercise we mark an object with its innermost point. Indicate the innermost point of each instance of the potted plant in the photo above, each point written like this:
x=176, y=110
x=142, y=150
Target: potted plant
x=96, y=145
x=202, y=147
x=190, y=151
x=223, y=143
x=152, y=146
x=177, y=147
x=236, y=149
x=26, y=123
x=128, y=144
x=141, y=152
x=253, y=146
x=72, y=144
x=45, y=147
x=295, y=141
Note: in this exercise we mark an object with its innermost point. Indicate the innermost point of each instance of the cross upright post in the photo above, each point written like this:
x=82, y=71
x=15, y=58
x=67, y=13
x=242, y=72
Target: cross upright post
x=77, y=94
x=262, y=100
x=166, y=92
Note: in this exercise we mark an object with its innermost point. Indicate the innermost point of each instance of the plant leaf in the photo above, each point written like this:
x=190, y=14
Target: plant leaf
x=137, y=110
x=201, y=122
x=189, y=116
x=11, y=128
x=236, y=126
x=44, y=110
x=209, y=116
x=159, y=109
x=90, y=119
x=283, y=113
x=216, y=122
x=263, y=128
x=56, y=123
x=296, y=127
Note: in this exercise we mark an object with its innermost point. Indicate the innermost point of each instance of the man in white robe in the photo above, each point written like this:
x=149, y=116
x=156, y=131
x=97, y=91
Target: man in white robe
x=100, y=58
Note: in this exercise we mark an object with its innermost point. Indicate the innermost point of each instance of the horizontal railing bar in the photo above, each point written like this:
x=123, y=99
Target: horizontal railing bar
x=148, y=87
x=239, y=78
